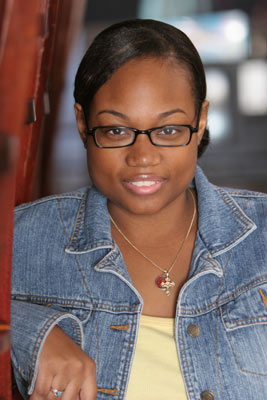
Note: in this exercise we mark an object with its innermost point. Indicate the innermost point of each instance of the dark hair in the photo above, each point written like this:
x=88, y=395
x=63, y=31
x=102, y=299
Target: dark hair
x=137, y=38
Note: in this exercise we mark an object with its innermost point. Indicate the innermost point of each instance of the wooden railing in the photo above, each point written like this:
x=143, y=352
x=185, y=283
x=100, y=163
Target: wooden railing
x=34, y=42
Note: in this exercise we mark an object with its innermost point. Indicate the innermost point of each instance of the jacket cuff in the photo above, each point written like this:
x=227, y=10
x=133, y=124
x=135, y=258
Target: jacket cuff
x=31, y=324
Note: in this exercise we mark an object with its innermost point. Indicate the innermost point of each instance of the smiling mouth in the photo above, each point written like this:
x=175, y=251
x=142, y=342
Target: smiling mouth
x=143, y=183
x=144, y=186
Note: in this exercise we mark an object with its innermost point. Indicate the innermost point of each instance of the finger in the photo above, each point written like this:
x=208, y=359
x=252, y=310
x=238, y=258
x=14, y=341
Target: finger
x=89, y=393
x=56, y=393
x=42, y=387
x=60, y=383
x=89, y=389
x=71, y=392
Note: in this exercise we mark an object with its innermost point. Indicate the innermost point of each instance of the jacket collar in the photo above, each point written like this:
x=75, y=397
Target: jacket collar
x=222, y=223
x=92, y=226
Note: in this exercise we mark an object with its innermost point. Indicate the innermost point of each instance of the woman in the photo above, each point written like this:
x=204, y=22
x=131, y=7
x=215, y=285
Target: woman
x=159, y=276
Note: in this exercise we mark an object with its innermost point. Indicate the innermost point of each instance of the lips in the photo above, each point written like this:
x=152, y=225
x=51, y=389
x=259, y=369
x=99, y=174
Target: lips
x=144, y=184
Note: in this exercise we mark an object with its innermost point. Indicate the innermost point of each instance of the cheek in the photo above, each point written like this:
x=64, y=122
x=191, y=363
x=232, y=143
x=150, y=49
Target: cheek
x=183, y=157
x=102, y=165
x=182, y=164
x=95, y=164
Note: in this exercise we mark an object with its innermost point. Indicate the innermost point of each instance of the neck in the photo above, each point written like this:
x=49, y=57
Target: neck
x=163, y=227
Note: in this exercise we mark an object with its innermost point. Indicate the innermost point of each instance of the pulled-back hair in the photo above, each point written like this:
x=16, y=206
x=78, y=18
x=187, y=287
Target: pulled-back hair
x=139, y=38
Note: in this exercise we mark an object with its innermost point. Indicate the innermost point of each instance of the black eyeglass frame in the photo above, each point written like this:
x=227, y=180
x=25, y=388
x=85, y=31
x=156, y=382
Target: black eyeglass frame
x=139, y=132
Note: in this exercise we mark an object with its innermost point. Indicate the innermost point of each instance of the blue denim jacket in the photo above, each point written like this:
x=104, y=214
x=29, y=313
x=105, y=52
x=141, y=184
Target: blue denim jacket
x=68, y=271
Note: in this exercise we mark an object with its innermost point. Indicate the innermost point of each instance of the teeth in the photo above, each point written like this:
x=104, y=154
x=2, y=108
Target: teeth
x=143, y=183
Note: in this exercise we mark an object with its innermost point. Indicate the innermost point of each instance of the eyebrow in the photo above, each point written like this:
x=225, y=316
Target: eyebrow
x=113, y=112
x=125, y=117
x=168, y=113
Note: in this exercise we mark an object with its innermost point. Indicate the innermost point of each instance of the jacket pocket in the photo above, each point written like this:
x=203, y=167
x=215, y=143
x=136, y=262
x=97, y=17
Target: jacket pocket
x=245, y=321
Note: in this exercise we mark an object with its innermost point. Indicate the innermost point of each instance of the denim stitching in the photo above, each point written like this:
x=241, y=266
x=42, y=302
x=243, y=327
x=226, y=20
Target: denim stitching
x=39, y=339
x=72, y=303
x=240, y=215
x=77, y=333
x=215, y=323
x=16, y=366
x=77, y=225
x=232, y=296
x=61, y=219
x=246, y=202
x=126, y=356
x=94, y=305
x=55, y=319
x=226, y=197
x=250, y=194
x=242, y=322
x=97, y=336
x=79, y=222
x=237, y=361
x=241, y=193
x=100, y=244
x=261, y=279
x=239, y=321
x=111, y=256
x=229, y=244
x=94, y=317
x=188, y=368
x=48, y=198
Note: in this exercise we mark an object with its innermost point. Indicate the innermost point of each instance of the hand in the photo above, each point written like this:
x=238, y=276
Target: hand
x=64, y=366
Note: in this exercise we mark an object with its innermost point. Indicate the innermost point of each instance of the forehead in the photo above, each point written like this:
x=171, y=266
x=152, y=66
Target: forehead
x=147, y=85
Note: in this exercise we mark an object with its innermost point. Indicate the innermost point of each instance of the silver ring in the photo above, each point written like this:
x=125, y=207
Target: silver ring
x=57, y=393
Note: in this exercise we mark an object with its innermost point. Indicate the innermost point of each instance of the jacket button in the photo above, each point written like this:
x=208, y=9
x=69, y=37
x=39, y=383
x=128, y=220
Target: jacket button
x=193, y=330
x=207, y=395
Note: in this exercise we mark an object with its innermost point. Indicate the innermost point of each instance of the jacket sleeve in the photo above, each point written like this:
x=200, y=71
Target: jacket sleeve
x=30, y=325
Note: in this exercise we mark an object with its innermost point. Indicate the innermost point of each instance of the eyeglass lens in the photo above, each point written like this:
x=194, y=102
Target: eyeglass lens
x=171, y=135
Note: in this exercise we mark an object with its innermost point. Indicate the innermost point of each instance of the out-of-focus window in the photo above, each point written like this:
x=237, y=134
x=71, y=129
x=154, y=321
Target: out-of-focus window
x=218, y=94
x=252, y=87
x=220, y=37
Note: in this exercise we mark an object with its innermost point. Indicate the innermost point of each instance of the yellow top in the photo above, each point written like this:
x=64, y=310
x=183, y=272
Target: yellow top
x=156, y=373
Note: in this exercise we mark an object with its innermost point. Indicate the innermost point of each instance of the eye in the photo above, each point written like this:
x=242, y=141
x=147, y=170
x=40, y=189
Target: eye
x=115, y=131
x=170, y=130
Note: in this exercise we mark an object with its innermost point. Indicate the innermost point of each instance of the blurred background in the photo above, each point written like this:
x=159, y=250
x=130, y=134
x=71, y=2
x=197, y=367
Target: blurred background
x=231, y=36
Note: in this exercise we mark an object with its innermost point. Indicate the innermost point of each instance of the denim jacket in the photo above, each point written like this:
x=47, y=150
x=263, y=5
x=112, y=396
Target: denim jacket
x=69, y=271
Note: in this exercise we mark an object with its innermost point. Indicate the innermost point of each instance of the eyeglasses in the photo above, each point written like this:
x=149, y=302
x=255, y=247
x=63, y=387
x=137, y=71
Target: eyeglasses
x=110, y=137
x=121, y=136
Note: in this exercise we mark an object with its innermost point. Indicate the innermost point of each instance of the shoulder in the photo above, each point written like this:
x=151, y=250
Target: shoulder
x=243, y=195
x=46, y=215
x=47, y=206
x=52, y=201
x=254, y=204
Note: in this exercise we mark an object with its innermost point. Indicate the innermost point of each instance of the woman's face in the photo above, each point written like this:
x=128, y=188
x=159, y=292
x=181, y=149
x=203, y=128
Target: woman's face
x=144, y=93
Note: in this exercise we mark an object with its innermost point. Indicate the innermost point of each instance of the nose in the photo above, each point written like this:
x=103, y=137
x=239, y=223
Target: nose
x=143, y=153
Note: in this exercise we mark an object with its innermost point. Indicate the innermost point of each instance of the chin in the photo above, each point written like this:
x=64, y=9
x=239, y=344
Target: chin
x=146, y=208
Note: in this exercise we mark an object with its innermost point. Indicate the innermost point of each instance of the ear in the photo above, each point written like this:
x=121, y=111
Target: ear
x=81, y=123
x=203, y=120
